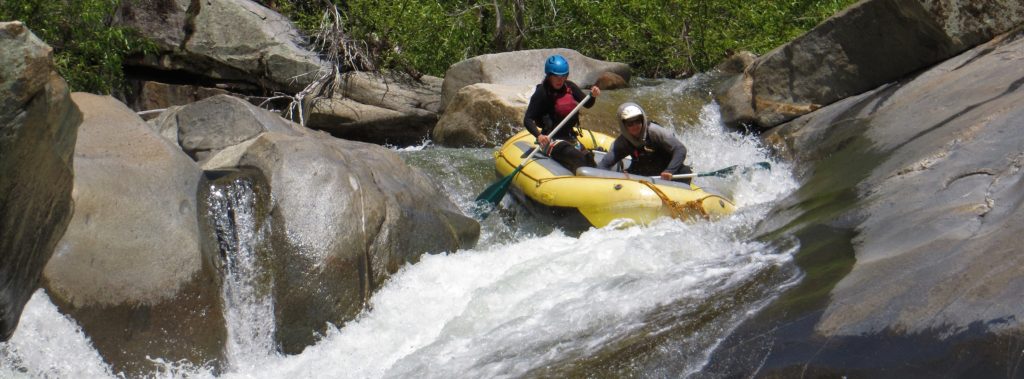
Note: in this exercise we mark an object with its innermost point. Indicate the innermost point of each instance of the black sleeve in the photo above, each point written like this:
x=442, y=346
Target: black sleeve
x=533, y=120
x=619, y=151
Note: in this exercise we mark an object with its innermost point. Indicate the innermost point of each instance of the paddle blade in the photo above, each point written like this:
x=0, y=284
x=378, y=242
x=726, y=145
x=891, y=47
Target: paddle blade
x=491, y=196
x=720, y=173
x=729, y=170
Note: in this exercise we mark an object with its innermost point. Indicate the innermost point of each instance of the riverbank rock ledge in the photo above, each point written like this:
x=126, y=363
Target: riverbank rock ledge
x=345, y=216
x=869, y=44
x=38, y=124
x=129, y=268
x=926, y=188
x=235, y=44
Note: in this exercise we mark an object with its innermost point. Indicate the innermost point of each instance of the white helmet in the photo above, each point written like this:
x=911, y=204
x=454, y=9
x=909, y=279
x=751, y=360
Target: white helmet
x=629, y=111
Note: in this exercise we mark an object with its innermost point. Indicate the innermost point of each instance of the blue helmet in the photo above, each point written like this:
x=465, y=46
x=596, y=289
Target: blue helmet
x=556, y=65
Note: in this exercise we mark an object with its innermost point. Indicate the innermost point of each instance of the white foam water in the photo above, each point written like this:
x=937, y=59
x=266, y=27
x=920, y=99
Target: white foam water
x=47, y=344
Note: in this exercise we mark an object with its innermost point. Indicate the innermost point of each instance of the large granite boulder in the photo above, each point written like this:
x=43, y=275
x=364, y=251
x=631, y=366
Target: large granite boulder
x=238, y=44
x=38, y=124
x=525, y=67
x=209, y=125
x=483, y=115
x=910, y=221
x=129, y=268
x=345, y=216
x=381, y=109
x=871, y=43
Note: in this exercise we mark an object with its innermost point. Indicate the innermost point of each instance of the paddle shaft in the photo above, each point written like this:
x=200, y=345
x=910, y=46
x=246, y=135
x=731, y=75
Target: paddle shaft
x=495, y=192
x=557, y=128
x=724, y=171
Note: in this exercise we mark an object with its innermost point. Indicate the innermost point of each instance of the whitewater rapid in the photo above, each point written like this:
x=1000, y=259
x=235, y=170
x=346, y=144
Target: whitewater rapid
x=522, y=301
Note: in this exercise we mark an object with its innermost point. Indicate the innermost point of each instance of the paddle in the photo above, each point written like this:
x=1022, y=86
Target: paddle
x=719, y=173
x=495, y=192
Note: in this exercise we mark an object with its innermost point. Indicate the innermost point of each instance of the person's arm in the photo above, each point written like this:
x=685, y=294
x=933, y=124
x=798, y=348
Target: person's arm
x=613, y=157
x=534, y=112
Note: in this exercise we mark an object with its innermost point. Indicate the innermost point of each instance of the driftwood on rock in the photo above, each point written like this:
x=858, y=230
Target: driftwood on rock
x=378, y=108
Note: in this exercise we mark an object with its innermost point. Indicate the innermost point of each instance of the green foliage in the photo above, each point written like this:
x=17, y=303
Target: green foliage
x=416, y=35
x=88, y=51
x=676, y=37
x=658, y=38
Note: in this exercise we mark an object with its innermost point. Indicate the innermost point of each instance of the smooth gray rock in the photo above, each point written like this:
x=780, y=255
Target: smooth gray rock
x=129, y=268
x=523, y=68
x=214, y=123
x=345, y=216
x=483, y=115
x=38, y=125
x=869, y=44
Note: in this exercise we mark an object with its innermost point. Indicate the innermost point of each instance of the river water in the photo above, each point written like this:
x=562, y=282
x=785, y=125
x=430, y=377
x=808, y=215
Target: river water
x=529, y=300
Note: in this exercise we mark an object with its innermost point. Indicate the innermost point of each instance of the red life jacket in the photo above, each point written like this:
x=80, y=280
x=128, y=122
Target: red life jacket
x=565, y=103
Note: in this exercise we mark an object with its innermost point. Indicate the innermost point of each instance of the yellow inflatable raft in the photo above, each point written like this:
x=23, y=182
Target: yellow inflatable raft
x=596, y=197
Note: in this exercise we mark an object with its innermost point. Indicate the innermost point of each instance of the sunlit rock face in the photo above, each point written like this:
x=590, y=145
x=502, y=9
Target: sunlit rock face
x=129, y=268
x=867, y=45
x=483, y=115
x=38, y=124
x=911, y=224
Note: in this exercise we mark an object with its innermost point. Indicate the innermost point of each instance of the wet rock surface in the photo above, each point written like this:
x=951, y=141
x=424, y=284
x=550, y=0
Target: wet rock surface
x=38, y=125
x=866, y=45
x=915, y=189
